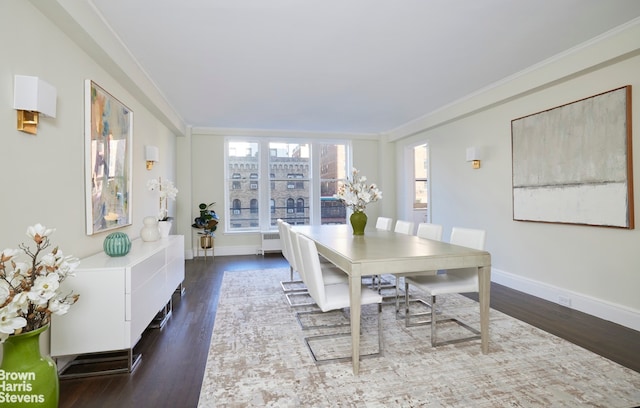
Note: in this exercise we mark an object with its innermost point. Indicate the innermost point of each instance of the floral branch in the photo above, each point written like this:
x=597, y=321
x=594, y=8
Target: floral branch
x=29, y=291
x=357, y=193
x=166, y=190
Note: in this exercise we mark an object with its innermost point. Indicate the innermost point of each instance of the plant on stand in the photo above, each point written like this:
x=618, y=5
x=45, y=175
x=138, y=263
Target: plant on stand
x=208, y=223
x=29, y=295
x=357, y=193
x=166, y=190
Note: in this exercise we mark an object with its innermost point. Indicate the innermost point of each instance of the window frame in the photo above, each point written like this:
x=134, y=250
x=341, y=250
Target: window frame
x=266, y=180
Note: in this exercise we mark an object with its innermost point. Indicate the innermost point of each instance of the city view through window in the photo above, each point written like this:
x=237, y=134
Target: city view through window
x=281, y=184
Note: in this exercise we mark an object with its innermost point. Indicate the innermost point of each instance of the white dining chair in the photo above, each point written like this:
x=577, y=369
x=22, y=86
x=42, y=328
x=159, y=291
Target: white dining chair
x=291, y=285
x=430, y=231
x=331, y=273
x=453, y=281
x=292, y=288
x=384, y=223
x=426, y=231
x=331, y=297
x=404, y=227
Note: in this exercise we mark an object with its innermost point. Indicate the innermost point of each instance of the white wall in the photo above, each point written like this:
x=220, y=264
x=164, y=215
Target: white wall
x=597, y=269
x=43, y=175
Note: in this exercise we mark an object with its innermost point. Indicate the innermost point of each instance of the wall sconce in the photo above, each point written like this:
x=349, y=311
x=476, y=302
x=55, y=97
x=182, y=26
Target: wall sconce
x=32, y=96
x=152, y=155
x=473, y=155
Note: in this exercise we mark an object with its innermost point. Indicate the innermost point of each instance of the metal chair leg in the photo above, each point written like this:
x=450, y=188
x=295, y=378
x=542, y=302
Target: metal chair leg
x=380, y=352
x=434, y=322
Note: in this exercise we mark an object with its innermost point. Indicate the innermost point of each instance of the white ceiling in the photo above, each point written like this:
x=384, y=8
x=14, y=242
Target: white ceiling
x=360, y=66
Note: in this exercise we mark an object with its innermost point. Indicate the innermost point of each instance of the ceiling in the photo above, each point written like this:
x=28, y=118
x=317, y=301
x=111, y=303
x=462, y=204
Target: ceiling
x=357, y=66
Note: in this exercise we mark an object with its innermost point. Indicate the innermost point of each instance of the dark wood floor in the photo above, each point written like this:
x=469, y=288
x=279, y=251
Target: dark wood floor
x=174, y=357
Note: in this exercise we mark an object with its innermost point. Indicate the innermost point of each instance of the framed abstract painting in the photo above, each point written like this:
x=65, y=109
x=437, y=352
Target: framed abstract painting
x=108, y=146
x=572, y=164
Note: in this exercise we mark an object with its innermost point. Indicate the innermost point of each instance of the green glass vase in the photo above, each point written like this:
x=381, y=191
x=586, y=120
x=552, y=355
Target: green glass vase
x=358, y=222
x=27, y=377
x=117, y=244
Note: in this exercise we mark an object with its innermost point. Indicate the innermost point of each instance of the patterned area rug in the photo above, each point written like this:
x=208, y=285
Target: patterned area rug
x=258, y=359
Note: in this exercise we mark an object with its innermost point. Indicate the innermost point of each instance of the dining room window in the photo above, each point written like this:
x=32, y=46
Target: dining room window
x=283, y=179
x=333, y=166
x=420, y=166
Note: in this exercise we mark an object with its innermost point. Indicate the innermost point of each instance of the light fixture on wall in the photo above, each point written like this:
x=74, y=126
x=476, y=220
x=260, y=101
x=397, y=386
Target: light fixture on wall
x=152, y=155
x=473, y=155
x=32, y=96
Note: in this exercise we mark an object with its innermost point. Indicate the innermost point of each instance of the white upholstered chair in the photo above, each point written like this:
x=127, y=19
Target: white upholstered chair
x=453, y=281
x=384, y=223
x=331, y=273
x=291, y=285
x=330, y=297
x=426, y=231
x=404, y=227
x=429, y=231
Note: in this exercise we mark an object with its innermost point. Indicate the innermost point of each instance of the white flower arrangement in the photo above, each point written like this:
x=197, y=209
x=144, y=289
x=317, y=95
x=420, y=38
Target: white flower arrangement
x=356, y=193
x=29, y=291
x=166, y=190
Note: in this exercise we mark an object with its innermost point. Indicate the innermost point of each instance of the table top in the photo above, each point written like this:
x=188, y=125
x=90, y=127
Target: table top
x=380, y=251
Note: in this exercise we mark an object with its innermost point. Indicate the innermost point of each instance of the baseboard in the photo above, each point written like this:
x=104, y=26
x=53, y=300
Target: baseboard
x=587, y=304
x=234, y=250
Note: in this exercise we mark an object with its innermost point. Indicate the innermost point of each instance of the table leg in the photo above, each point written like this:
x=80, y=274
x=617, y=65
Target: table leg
x=355, y=287
x=484, y=281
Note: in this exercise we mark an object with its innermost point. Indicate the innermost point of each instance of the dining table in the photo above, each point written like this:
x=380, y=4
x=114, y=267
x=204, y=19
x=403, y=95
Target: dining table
x=379, y=252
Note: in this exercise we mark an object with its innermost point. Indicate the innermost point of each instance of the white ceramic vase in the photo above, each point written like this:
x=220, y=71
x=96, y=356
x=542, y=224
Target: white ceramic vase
x=164, y=227
x=150, y=232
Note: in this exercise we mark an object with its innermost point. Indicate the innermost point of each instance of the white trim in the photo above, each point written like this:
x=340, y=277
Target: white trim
x=286, y=134
x=587, y=304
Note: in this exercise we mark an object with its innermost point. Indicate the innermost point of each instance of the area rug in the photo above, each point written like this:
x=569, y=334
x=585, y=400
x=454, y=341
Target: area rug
x=258, y=359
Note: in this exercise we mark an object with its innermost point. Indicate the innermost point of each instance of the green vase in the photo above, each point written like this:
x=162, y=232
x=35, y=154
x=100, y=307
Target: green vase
x=28, y=379
x=358, y=222
x=117, y=244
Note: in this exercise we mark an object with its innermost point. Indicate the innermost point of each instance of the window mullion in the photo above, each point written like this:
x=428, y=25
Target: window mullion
x=264, y=192
x=314, y=190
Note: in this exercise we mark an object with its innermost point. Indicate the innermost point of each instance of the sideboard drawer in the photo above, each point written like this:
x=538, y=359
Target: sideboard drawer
x=140, y=273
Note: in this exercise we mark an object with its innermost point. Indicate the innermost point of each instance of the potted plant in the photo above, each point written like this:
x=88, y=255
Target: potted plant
x=166, y=190
x=30, y=293
x=208, y=223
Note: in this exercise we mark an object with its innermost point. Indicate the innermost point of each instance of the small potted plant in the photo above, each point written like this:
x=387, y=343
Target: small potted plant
x=208, y=223
x=166, y=190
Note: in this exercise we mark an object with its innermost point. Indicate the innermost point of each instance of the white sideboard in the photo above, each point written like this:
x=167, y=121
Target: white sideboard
x=119, y=297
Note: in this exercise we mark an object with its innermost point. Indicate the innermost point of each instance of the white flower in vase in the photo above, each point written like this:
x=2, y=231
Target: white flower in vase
x=29, y=291
x=166, y=190
x=356, y=193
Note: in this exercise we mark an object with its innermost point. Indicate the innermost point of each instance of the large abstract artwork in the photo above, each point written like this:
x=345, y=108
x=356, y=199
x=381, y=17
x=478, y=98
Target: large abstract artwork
x=108, y=135
x=573, y=163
